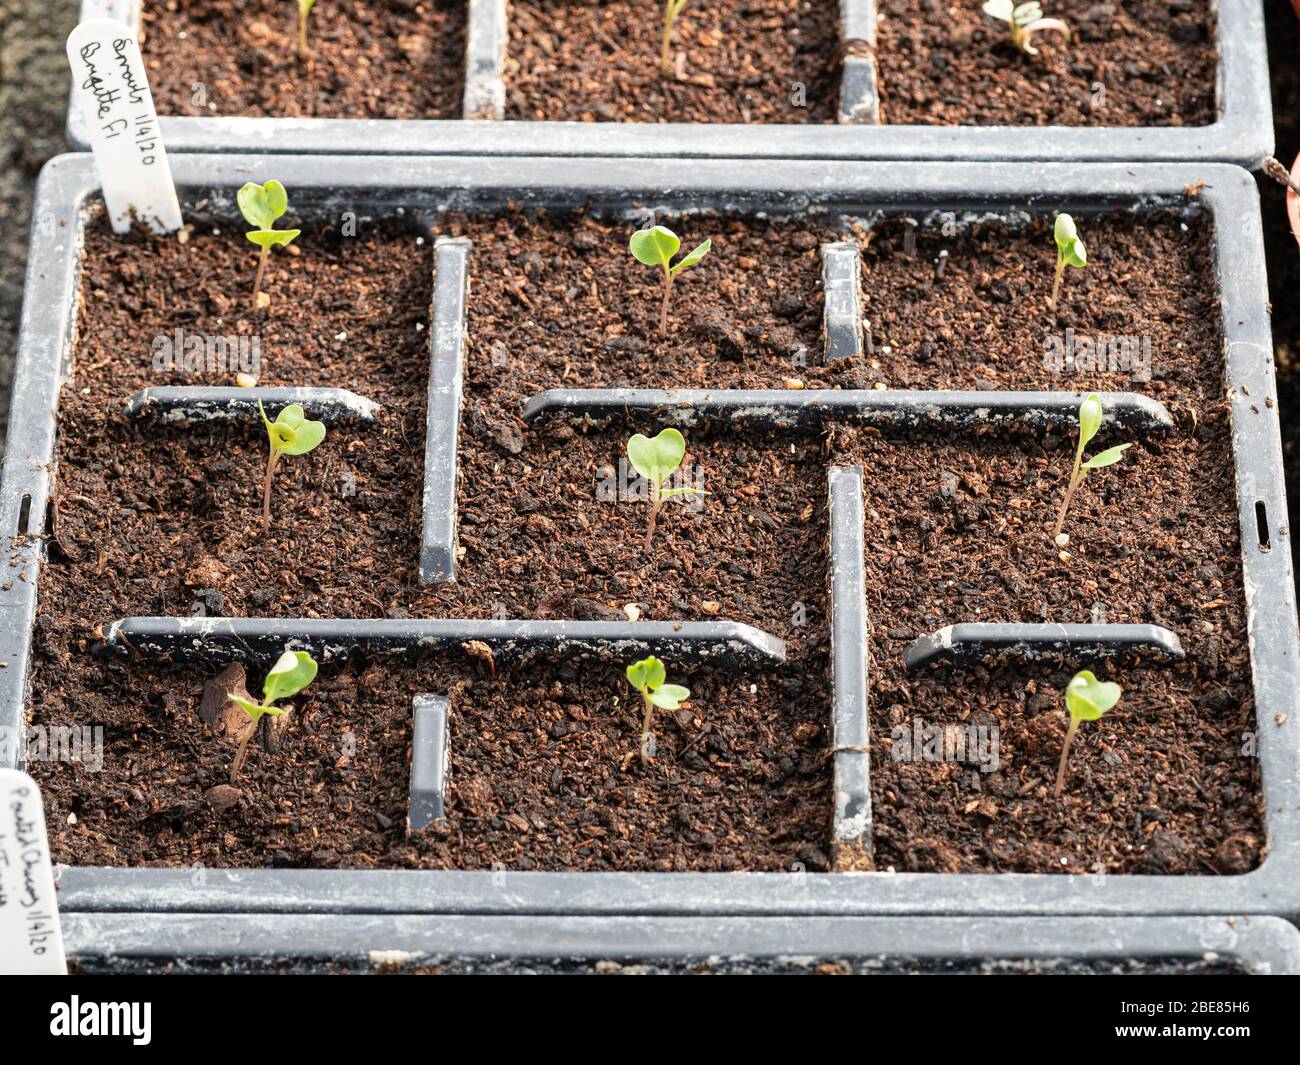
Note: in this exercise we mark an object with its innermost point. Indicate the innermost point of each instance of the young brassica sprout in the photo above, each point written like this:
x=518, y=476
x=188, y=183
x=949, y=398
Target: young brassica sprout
x=647, y=677
x=304, y=9
x=656, y=247
x=1025, y=20
x=1090, y=416
x=1087, y=699
x=1070, y=251
x=261, y=205
x=672, y=8
x=656, y=460
x=290, y=434
x=292, y=672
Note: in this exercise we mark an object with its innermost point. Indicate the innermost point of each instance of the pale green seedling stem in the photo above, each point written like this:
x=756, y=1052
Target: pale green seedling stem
x=1087, y=699
x=656, y=247
x=292, y=672
x=656, y=459
x=304, y=9
x=647, y=676
x=1070, y=251
x=290, y=434
x=272, y=458
x=263, y=255
x=261, y=205
x=1090, y=416
x=672, y=9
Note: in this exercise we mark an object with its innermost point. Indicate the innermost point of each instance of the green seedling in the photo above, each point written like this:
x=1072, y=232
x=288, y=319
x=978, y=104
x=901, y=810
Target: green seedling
x=672, y=8
x=647, y=677
x=1025, y=20
x=304, y=9
x=290, y=434
x=1070, y=251
x=656, y=247
x=261, y=205
x=292, y=672
x=1087, y=699
x=656, y=460
x=1090, y=416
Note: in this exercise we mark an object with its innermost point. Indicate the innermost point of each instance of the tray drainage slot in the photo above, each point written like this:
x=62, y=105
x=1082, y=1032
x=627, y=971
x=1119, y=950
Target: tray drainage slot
x=1261, y=524
x=964, y=644
x=24, y=514
x=430, y=752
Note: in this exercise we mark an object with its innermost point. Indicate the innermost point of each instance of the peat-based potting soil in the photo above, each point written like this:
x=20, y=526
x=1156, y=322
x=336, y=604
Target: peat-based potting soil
x=544, y=772
x=368, y=59
x=1129, y=63
x=758, y=61
x=1280, y=244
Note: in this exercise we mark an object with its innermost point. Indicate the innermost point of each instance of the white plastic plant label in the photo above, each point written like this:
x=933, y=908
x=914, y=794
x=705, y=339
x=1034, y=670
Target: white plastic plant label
x=30, y=940
x=108, y=76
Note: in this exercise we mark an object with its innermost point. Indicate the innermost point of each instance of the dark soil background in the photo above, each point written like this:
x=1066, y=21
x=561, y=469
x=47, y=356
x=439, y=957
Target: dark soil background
x=370, y=59
x=1283, y=252
x=33, y=99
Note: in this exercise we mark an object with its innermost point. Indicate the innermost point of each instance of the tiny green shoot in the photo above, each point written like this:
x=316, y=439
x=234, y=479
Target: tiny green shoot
x=656, y=460
x=261, y=205
x=292, y=672
x=1070, y=251
x=647, y=677
x=656, y=247
x=672, y=9
x=304, y=9
x=290, y=434
x=1090, y=417
x=1025, y=20
x=1087, y=699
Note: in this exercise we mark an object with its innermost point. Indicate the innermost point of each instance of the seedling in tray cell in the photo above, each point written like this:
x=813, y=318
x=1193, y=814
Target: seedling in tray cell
x=292, y=672
x=656, y=247
x=656, y=460
x=1090, y=415
x=1070, y=251
x=1025, y=20
x=1087, y=699
x=261, y=205
x=290, y=434
x=672, y=9
x=304, y=9
x=647, y=677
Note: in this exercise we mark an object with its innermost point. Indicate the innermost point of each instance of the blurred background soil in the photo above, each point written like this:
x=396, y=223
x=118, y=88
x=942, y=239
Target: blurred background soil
x=33, y=98
x=1283, y=254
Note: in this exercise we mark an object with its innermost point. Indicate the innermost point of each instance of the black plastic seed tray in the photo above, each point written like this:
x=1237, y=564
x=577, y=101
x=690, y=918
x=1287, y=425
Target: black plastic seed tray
x=184, y=943
x=325, y=187
x=1242, y=133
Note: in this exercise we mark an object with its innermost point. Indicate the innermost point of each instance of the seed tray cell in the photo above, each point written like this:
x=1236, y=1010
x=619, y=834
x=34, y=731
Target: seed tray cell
x=96, y=898
x=1242, y=132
